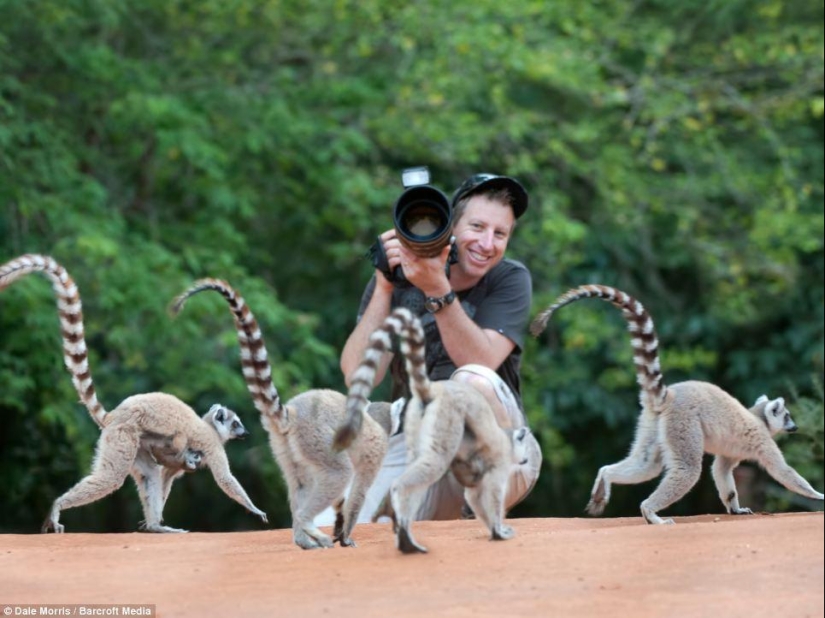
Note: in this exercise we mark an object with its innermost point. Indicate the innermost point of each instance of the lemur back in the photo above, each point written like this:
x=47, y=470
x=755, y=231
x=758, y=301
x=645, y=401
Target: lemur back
x=447, y=425
x=153, y=437
x=301, y=434
x=679, y=423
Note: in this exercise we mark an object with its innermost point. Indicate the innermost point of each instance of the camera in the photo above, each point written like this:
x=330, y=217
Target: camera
x=422, y=217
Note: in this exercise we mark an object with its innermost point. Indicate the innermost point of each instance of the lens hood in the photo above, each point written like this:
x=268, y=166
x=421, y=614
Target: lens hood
x=423, y=220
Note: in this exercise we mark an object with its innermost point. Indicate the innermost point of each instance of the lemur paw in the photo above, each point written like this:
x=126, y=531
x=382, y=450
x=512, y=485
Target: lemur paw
x=652, y=518
x=312, y=539
x=346, y=542
x=49, y=525
x=407, y=544
x=503, y=533
x=159, y=528
x=595, y=507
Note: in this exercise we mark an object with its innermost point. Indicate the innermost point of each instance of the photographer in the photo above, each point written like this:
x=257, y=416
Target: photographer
x=474, y=312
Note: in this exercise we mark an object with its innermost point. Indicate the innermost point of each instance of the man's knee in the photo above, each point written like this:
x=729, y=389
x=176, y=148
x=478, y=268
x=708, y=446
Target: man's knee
x=494, y=390
x=480, y=383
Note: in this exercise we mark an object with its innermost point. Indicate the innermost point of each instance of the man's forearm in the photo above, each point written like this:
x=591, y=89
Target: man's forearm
x=466, y=342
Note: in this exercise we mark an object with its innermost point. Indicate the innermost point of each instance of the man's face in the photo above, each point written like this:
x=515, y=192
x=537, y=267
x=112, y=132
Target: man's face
x=482, y=235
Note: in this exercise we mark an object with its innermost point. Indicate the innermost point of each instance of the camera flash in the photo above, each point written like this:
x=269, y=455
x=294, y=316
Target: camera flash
x=415, y=176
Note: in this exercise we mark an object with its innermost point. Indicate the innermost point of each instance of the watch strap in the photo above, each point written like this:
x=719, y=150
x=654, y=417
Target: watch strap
x=436, y=304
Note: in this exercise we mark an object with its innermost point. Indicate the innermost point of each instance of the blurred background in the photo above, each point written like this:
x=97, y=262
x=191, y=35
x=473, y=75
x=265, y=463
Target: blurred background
x=671, y=148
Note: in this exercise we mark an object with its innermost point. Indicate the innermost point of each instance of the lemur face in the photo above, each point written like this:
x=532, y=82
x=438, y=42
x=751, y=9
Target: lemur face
x=226, y=422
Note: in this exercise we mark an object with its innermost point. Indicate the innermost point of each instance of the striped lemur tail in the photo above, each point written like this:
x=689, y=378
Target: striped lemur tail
x=404, y=325
x=639, y=323
x=254, y=359
x=75, y=352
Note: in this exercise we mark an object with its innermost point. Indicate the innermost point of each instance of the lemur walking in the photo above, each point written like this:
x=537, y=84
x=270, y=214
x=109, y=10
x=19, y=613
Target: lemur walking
x=301, y=431
x=449, y=426
x=153, y=437
x=681, y=422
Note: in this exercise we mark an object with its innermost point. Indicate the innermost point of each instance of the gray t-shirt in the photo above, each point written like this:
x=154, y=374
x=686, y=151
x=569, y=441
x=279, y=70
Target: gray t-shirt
x=500, y=301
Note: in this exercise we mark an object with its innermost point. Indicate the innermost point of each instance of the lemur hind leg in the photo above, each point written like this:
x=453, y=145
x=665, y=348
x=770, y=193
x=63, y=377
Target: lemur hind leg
x=366, y=469
x=642, y=464
x=325, y=489
x=117, y=448
x=682, y=451
x=487, y=501
x=408, y=491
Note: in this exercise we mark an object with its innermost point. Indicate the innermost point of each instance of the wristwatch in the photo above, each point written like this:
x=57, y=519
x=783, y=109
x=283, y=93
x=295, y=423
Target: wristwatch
x=434, y=305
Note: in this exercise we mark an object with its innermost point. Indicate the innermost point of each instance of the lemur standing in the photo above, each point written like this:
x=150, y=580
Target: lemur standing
x=300, y=434
x=448, y=425
x=681, y=422
x=153, y=437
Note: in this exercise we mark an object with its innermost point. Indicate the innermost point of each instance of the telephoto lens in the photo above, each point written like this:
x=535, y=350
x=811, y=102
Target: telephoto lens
x=423, y=220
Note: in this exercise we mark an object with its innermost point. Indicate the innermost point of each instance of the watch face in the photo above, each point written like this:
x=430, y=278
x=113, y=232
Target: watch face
x=432, y=305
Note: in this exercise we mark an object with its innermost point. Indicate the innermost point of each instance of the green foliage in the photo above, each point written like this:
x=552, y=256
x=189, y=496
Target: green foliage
x=673, y=149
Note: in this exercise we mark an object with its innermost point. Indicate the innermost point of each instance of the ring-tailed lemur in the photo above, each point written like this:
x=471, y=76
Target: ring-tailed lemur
x=681, y=422
x=153, y=437
x=300, y=434
x=449, y=426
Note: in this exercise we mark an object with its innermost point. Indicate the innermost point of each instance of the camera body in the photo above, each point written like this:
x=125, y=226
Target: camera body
x=423, y=221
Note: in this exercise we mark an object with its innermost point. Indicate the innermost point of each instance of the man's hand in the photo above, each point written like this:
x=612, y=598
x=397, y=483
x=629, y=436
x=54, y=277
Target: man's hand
x=427, y=274
x=391, y=246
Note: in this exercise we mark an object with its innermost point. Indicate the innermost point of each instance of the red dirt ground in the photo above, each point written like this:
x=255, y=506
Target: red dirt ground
x=762, y=565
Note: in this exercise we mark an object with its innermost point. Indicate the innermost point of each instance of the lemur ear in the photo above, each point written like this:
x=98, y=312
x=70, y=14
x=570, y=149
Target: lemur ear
x=775, y=406
x=762, y=399
x=220, y=412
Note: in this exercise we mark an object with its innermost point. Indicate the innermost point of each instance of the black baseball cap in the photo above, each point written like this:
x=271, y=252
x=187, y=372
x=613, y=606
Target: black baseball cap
x=479, y=182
